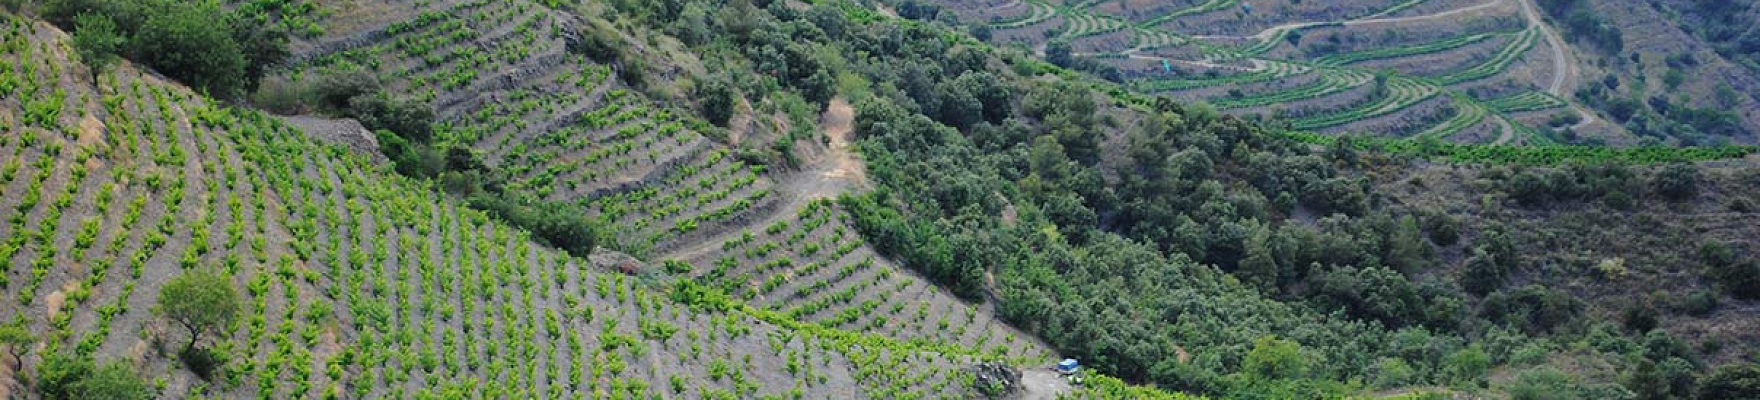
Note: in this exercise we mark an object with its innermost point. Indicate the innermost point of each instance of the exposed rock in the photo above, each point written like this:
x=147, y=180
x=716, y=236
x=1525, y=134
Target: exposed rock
x=995, y=380
x=613, y=261
x=347, y=132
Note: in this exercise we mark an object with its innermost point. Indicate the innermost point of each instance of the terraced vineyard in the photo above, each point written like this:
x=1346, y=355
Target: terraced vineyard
x=569, y=131
x=359, y=283
x=1398, y=39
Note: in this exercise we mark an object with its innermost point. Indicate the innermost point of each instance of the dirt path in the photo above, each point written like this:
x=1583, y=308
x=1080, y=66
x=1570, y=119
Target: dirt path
x=1444, y=14
x=825, y=177
x=1040, y=383
x=1272, y=32
x=1563, y=66
x=839, y=125
x=1508, y=132
x=1135, y=55
x=1561, y=63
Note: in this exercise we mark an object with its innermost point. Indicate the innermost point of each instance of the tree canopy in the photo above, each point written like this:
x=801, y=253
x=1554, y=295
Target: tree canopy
x=200, y=301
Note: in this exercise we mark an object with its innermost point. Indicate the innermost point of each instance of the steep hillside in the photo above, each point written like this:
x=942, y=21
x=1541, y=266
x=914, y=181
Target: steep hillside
x=568, y=130
x=858, y=199
x=357, y=283
x=1496, y=71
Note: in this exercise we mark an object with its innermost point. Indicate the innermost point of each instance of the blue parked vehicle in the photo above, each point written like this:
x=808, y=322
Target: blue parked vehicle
x=1068, y=366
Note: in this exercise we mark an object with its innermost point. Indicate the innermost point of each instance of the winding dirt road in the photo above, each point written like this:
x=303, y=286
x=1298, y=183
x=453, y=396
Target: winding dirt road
x=1272, y=32
x=1564, y=67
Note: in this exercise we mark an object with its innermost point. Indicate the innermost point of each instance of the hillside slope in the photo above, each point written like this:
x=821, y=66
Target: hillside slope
x=1471, y=71
x=358, y=283
x=572, y=130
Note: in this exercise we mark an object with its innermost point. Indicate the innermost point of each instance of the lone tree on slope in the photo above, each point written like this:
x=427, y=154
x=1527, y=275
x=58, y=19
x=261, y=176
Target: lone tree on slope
x=199, y=300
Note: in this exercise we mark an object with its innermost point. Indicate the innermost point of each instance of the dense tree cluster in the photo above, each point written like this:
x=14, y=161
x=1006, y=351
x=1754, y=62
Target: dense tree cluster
x=1580, y=19
x=198, y=43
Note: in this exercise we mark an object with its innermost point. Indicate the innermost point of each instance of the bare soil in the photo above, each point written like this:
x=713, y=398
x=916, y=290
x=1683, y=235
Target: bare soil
x=1042, y=383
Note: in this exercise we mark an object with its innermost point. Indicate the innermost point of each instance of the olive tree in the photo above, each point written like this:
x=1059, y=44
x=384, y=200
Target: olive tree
x=200, y=301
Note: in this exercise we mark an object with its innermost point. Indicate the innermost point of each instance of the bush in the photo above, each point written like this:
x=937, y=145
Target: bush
x=202, y=361
x=716, y=99
x=599, y=43
x=409, y=118
x=1640, y=318
x=70, y=377
x=565, y=226
x=410, y=159
x=1741, y=278
x=1736, y=381
x=1544, y=383
x=1533, y=309
x=1677, y=182
x=1699, y=303
x=334, y=91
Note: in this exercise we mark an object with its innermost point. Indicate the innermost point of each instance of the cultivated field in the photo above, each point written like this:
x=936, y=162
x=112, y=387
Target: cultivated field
x=362, y=284
x=1393, y=67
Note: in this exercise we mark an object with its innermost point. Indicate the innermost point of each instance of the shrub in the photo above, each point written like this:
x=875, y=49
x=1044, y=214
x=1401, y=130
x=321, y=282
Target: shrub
x=565, y=226
x=599, y=43
x=1533, y=309
x=1736, y=381
x=1544, y=383
x=409, y=118
x=333, y=91
x=716, y=99
x=1640, y=318
x=1677, y=182
x=1741, y=278
x=1466, y=365
x=203, y=362
x=70, y=377
x=413, y=159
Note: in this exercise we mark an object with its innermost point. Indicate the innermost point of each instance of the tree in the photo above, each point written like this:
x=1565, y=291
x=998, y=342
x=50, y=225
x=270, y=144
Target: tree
x=200, y=301
x=1405, y=251
x=716, y=99
x=96, y=41
x=1483, y=273
x=263, y=45
x=1274, y=358
x=1059, y=53
x=1735, y=381
x=1467, y=365
x=1259, y=268
x=1738, y=277
x=193, y=44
